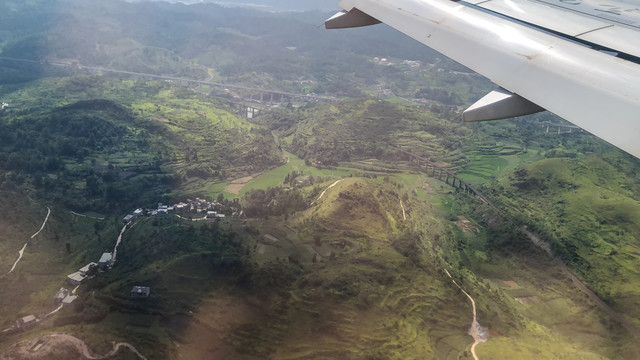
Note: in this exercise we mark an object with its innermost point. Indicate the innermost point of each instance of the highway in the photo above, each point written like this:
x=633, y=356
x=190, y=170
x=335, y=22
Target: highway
x=172, y=78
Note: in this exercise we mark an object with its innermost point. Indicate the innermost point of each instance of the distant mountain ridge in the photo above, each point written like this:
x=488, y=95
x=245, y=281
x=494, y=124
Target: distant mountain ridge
x=266, y=5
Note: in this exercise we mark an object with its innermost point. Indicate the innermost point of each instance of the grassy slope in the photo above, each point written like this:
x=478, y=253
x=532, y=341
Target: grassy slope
x=589, y=210
x=45, y=264
x=171, y=122
x=365, y=129
x=275, y=177
x=351, y=305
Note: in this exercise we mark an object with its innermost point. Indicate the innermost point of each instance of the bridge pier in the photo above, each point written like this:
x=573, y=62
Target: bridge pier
x=447, y=180
x=440, y=175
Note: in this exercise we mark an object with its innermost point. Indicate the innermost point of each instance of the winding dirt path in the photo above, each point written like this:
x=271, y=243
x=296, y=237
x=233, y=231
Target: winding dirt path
x=476, y=331
x=87, y=216
x=192, y=219
x=582, y=286
x=325, y=190
x=115, y=248
x=21, y=251
x=404, y=214
x=25, y=349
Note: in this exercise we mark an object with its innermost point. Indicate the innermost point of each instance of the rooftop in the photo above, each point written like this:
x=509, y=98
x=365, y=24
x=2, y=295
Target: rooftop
x=106, y=257
x=76, y=276
x=69, y=299
x=85, y=268
x=140, y=291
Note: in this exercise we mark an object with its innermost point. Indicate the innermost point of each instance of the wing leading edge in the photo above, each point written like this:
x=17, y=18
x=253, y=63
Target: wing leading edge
x=570, y=77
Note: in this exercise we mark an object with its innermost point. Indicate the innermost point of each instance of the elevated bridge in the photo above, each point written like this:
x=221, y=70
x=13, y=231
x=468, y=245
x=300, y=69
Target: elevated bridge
x=443, y=174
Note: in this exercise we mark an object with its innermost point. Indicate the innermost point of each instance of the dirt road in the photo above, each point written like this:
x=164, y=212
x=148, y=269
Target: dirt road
x=476, y=331
x=115, y=248
x=45, y=346
x=325, y=190
x=21, y=251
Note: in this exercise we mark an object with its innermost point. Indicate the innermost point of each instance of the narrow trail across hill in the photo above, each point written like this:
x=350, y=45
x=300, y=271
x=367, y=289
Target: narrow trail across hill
x=21, y=251
x=325, y=190
x=476, y=331
x=47, y=344
x=115, y=248
x=87, y=216
x=404, y=214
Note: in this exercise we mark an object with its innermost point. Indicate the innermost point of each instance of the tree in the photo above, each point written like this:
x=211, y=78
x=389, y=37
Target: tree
x=68, y=246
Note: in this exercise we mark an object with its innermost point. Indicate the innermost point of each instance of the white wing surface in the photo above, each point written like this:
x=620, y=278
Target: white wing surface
x=579, y=59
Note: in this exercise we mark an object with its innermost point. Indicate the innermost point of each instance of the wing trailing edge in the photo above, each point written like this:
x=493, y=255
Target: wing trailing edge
x=590, y=88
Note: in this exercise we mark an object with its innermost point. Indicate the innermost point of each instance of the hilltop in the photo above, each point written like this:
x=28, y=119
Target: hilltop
x=587, y=209
x=361, y=129
x=112, y=144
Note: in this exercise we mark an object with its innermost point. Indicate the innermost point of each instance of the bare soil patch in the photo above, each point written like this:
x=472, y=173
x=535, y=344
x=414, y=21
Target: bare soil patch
x=237, y=184
x=206, y=333
x=465, y=225
x=270, y=239
x=529, y=300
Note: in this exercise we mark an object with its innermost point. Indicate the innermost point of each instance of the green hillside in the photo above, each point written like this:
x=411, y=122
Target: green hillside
x=364, y=129
x=110, y=144
x=587, y=208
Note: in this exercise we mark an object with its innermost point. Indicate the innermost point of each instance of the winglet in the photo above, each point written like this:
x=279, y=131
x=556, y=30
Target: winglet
x=353, y=18
x=500, y=104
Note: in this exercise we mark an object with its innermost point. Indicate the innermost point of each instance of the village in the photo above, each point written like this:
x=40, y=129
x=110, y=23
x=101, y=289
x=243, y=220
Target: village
x=65, y=296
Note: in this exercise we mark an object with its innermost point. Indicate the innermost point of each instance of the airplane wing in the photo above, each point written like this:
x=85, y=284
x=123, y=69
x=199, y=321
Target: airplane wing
x=579, y=59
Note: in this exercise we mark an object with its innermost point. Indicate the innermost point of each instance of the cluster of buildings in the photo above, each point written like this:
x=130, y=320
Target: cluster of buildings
x=382, y=61
x=198, y=205
x=412, y=64
x=64, y=296
x=77, y=277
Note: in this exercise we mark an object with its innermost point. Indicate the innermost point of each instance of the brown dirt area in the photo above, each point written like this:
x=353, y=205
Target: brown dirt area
x=270, y=239
x=204, y=334
x=237, y=184
x=529, y=300
x=465, y=225
x=510, y=283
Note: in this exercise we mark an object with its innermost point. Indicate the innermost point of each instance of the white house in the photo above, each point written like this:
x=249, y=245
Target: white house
x=60, y=295
x=83, y=270
x=105, y=260
x=76, y=278
x=68, y=300
x=26, y=321
x=138, y=292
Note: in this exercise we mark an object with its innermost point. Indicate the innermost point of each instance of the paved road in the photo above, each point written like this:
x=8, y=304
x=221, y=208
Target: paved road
x=172, y=78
